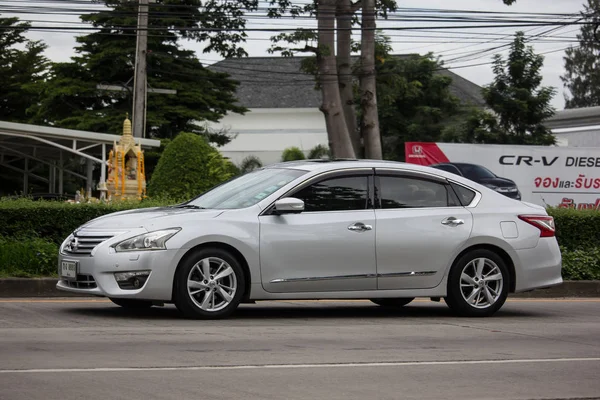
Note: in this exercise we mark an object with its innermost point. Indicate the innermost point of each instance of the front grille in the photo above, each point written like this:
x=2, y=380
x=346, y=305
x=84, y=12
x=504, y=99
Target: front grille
x=83, y=282
x=83, y=245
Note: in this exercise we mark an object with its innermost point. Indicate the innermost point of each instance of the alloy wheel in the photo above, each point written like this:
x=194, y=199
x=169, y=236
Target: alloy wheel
x=212, y=284
x=481, y=283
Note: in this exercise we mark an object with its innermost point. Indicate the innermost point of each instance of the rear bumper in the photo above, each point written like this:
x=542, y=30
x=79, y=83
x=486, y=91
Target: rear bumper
x=539, y=267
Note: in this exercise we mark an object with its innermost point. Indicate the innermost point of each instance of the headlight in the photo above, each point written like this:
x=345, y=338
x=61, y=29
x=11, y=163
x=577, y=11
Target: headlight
x=493, y=187
x=148, y=241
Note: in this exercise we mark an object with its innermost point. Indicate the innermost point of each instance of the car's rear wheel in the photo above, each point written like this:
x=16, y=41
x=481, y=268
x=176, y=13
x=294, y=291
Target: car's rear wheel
x=478, y=284
x=209, y=284
x=393, y=303
x=131, y=303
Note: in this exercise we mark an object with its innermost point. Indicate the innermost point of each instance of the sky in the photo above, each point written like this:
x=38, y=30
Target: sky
x=458, y=48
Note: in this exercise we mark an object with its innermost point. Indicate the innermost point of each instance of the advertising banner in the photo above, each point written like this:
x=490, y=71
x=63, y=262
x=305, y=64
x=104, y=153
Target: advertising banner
x=566, y=177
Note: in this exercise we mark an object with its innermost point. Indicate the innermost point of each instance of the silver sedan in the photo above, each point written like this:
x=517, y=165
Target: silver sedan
x=384, y=231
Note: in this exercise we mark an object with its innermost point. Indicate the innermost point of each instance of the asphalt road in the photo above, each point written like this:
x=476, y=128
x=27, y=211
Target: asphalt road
x=90, y=349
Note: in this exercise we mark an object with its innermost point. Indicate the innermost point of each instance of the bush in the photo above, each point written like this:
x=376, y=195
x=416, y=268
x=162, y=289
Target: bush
x=577, y=229
x=54, y=221
x=31, y=231
x=292, y=154
x=188, y=166
x=28, y=258
x=250, y=163
x=581, y=264
x=319, y=151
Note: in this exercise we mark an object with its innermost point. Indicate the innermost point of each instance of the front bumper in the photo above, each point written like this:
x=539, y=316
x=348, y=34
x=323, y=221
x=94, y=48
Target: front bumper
x=96, y=273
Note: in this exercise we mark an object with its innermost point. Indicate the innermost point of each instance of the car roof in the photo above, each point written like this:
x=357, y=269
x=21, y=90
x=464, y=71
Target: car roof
x=452, y=163
x=335, y=164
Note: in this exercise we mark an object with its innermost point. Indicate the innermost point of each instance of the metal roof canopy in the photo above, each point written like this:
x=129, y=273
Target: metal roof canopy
x=574, y=118
x=43, y=145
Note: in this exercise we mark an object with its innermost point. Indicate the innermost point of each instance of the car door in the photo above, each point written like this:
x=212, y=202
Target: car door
x=328, y=247
x=420, y=226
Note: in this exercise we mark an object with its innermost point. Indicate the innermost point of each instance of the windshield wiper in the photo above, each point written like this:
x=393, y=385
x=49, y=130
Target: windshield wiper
x=191, y=206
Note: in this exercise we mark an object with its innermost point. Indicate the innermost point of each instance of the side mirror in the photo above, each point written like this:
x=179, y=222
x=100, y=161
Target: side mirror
x=288, y=205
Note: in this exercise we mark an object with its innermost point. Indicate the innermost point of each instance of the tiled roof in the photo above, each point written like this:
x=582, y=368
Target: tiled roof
x=278, y=82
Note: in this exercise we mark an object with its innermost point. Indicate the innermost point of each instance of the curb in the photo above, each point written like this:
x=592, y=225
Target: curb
x=46, y=287
x=585, y=289
x=33, y=287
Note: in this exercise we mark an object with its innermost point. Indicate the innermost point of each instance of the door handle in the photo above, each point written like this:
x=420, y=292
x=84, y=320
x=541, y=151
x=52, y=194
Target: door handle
x=452, y=221
x=360, y=227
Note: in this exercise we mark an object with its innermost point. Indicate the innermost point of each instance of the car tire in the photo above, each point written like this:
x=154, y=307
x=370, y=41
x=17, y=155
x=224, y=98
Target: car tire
x=393, y=303
x=224, y=284
x=131, y=303
x=478, y=284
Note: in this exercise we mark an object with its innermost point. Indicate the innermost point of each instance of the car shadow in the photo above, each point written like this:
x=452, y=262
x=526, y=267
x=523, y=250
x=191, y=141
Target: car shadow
x=286, y=310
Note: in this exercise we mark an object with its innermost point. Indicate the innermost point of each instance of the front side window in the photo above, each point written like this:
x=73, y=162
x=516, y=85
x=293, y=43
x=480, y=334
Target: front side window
x=405, y=192
x=248, y=189
x=336, y=194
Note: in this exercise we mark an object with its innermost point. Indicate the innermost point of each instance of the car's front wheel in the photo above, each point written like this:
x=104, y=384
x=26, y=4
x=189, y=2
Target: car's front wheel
x=131, y=303
x=478, y=284
x=209, y=284
x=393, y=303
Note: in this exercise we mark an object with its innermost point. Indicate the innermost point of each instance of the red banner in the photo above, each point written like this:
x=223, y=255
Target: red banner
x=424, y=153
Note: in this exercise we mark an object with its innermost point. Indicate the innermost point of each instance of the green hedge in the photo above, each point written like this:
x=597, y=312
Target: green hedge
x=54, y=221
x=31, y=231
x=577, y=229
x=581, y=264
x=28, y=258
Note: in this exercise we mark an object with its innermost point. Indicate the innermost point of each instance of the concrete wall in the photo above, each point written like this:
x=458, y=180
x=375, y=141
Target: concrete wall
x=266, y=132
x=587, y=136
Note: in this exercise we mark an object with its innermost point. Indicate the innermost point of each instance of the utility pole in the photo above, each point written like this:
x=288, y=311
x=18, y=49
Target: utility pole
x=140, y=79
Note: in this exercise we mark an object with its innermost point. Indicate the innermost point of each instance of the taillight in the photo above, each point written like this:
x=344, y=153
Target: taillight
x=544, y=223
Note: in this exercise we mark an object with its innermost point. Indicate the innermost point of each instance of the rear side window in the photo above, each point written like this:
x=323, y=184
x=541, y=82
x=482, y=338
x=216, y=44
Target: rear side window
x=405, y=192
x=465, y=195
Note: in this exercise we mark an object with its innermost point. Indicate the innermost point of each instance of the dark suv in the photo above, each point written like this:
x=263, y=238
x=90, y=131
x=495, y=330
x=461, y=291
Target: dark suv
x=483, y=176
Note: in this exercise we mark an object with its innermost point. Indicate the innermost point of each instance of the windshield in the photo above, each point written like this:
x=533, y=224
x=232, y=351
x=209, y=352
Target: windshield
x=246, y=190
x=473, y=172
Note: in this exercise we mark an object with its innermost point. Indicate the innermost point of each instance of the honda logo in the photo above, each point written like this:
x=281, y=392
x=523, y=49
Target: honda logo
x=417, y=150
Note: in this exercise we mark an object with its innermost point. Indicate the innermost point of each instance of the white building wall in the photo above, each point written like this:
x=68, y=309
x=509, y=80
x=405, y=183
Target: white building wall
x=266, y=132
x=586, y=136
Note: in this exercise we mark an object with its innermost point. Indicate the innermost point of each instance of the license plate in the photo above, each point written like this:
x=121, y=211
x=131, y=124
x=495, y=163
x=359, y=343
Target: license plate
x=68, y=269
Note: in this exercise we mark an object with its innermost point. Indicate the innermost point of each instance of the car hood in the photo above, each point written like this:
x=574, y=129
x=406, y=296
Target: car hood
x=499, y=182
x=147, y=217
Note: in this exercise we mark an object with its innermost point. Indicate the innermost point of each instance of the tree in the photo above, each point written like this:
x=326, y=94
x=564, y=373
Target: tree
x=369, y=126
x=188, y=166
x=338, y=117
x=22, y=70
x=415, y=102
x=107, y=56
x=582, y=63
x=337, y=130
x=517, y=97
x=519, y=103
